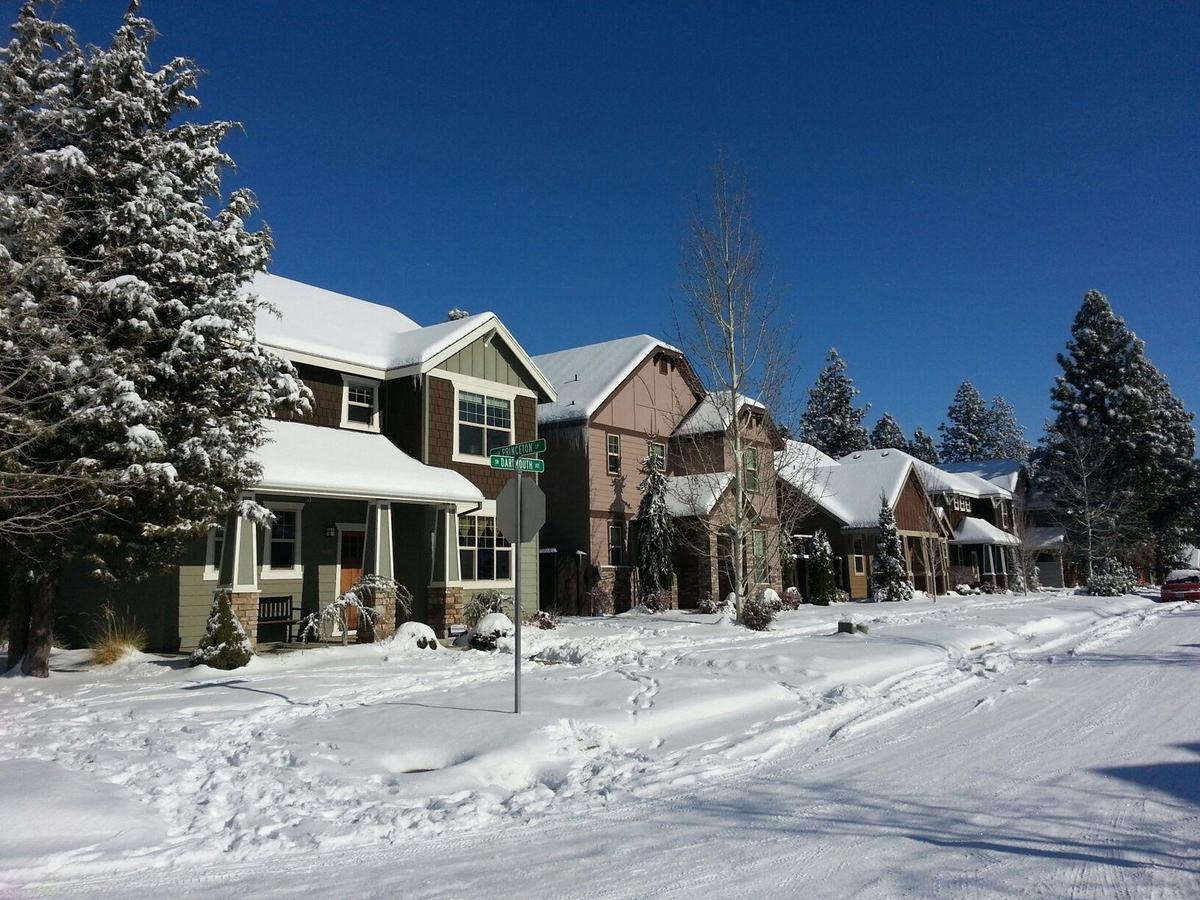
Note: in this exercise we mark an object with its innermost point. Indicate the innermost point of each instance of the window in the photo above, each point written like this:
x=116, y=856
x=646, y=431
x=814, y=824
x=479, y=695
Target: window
x=216, y=544
x=758, y=549
x=484, y=554
x=360, y=404
x=657, y=451
x=283, y=545
x=750, y=468
x=614, y=454
x=860, y=560
x=484, y=423
x=616, y=545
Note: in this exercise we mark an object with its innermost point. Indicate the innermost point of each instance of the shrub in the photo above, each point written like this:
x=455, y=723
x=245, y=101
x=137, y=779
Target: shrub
x=224, y=644
x=544, y=620
x=659, y=601
x=484, y=603
x=989, y=587
x=413, y=635
x=599, y=601
x=758, y=612
x=1111, y=578
x=771, y=596
x=840, y=596
x=115, y=636
x=963, y=589
x=707, y=605
x=490, y=629
x=792, y=599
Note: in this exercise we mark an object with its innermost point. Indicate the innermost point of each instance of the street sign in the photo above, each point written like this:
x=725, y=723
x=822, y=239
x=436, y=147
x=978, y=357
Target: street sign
x=517, y=464
x=533, y=511
x=523, y=449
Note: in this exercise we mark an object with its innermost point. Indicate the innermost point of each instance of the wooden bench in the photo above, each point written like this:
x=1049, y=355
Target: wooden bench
x=278, y=613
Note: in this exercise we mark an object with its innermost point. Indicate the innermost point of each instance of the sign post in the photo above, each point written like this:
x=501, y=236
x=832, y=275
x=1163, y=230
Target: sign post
x=519, y=525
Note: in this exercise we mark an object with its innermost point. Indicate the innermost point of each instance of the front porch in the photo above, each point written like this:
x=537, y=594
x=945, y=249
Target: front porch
x=981, y=553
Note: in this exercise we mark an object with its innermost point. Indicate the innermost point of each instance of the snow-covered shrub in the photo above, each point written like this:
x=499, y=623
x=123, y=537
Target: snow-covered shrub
x=821, y=566
x=484, y=603
x=706, y=604
x=771, y=596
x=1111, y=578
x=758, y=612
x=840, y=596
x=116, y=636
x=337, y=615
x=792, y=598
x=412, y=635
x=1028, y=584
x=599, y=601
x=889, y=568
x=489, y=629
x=544, y=620
x=963, y=589
x=659, y=601
x=224, y=644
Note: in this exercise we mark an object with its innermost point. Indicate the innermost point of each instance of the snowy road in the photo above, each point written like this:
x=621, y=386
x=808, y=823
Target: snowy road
x=1070, y=772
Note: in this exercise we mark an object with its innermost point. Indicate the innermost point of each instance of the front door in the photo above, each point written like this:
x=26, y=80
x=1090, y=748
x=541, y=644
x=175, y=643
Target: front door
x=350, y=559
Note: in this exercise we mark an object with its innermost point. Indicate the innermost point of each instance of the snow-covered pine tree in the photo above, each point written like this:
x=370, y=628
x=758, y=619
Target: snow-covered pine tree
x=831, y=422
x=887, y=434
x=224, y=644
x=889, y=568
x=923, y=447
x=965, y=433
x=169, y=387
x=655, y=530
x=822, y=579
x=1111, y=400
x=1006, y=437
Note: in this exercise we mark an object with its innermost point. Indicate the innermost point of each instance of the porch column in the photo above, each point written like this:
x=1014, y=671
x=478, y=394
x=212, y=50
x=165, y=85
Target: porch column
x=1004, y=564
x=238, y=569
x=445, y=605
x=991, y=561
x=378, y=559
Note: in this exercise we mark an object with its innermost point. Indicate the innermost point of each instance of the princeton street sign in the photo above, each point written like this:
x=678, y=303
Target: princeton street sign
x=517, y=464
x=523, y=449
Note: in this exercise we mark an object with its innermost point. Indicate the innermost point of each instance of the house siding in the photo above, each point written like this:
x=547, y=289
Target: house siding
x=489, y=360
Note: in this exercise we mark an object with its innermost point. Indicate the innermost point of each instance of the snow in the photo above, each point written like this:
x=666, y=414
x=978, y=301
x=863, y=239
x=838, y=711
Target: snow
x=337, y=462
x=585, y=377
x=963, y=747
x=1045, y=537
x=712, y=413
x=979, y=531
x=1004, y=473
x=1191, y=557
x=851, y=490
x=936, y=479
x=695, y=495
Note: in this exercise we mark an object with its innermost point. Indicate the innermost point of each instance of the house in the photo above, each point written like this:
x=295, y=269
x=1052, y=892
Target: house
x=388, y=474
x=845, y=497
x=617, y=402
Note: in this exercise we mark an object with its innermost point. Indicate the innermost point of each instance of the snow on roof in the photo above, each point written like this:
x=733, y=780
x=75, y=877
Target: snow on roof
x=584, y=377
x=696, y=495
x=852, y=492
x=936, y=480
x=1191, y=557
x=979, y=531
x=795, y=460
x=1001, y=472
x=336, y=462
x=713, y=413
x=1045, y=537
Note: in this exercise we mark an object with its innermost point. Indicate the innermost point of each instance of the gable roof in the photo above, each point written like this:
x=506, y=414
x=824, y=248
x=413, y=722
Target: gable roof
x=935, y=480
x=712, y=413
x=979, y=531
x=696, y=495
x=1003, y=473
x=585, y=377
x=850, y=493
x=369, y=338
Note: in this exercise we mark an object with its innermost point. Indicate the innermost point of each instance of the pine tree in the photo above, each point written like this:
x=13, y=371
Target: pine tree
x=890, y=570
x=822, y=580
x=923, y=448
x=831, y=422
x=224, y=644
x=887, y=434
x=965, y=434
x=1006, y=438
x=165, y=386
x=655, y=530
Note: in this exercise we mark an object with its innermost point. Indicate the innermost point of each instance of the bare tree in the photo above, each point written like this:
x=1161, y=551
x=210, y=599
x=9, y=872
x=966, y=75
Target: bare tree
x=735, y=334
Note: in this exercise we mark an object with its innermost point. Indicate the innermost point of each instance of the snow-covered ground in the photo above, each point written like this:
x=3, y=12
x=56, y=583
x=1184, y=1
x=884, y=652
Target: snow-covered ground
x=970, y=746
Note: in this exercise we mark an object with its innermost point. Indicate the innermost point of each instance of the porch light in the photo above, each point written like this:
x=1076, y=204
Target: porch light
x=330, y=531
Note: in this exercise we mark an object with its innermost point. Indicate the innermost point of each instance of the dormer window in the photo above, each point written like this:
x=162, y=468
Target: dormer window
x=360, y=404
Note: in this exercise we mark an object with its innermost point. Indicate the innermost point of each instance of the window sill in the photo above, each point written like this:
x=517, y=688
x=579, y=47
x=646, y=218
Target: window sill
x=486, y=585
x=472, y=460
x=360, y=426
x=292, y=574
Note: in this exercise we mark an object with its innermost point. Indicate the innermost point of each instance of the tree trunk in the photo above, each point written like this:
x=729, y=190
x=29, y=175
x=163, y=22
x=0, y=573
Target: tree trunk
x=43, y=591
x=18, y=617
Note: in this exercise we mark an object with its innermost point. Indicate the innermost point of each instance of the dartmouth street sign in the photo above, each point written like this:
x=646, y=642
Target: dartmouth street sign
x=523, y=449
x=517, y=464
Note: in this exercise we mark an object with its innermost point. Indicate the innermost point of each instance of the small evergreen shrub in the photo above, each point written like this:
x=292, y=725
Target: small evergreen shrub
x=1111, y=578
x=484, y=603
x=544, y=620
x=659, y=601
x=224, y=644
x=599, y=601
x=840, y=596
x=489, y=629
x=792, y=599
x=758, y=612
x=989, y=587
x=707, y=605
x=116, y=636
x=771, y=596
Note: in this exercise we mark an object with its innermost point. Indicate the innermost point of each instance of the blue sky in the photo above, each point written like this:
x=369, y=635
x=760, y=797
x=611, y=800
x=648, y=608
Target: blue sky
x=935, y=185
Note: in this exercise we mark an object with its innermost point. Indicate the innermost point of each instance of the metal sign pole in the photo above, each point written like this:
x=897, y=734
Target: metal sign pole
x=517, y=604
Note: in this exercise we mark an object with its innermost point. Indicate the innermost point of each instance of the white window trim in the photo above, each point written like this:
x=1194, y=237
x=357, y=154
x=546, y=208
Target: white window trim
x=624, y=564
x=489, y=389
x=349, y=381
x=265, y=572
x=212, y=565
x=608, y=454
x=486, y=508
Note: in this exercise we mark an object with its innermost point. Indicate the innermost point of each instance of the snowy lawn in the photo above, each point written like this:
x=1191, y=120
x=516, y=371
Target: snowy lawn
x=150, y=764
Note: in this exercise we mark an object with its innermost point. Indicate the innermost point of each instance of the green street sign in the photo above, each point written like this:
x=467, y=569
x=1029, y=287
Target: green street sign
x=517, y=464
x=523, y=449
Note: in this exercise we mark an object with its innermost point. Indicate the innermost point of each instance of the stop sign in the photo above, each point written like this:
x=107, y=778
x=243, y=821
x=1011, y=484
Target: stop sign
x=533, y=511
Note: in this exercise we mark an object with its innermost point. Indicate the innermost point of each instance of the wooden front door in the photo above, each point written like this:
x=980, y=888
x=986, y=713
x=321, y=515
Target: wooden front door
x=350, y=558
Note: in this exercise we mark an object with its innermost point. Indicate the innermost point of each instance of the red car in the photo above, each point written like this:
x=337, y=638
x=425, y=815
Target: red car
x=1182, y=584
